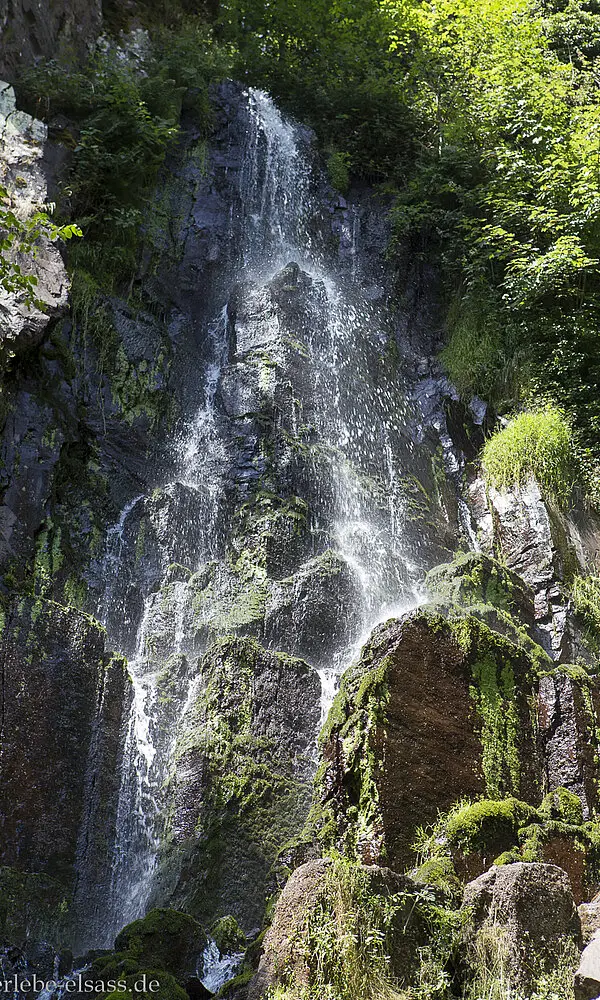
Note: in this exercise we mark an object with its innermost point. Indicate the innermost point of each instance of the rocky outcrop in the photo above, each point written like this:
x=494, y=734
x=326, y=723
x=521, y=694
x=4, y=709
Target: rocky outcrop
x=424, y=685
x=165, y=947
x=242, y=772
x=519, y=919
x=56, y=741
x=22, y=141
x=322, y=896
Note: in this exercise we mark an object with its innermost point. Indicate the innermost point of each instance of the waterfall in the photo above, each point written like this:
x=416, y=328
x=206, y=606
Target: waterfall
x=181, y=525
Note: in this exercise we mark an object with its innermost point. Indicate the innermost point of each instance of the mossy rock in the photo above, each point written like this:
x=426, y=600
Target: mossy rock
x=228, y=936
x=33, y=907
x=474, y=578
x=561, y=804
x=164, y=939
x=168, y=988
x=423, y=684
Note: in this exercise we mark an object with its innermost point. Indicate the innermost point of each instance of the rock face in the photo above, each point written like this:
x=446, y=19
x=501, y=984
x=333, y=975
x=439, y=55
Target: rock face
x=520, y=917
x=423, y=686
x=53, y=676
x=49, y=30
x=569, y=708
x=243, y=767
x=64, y=707
x=312, y=900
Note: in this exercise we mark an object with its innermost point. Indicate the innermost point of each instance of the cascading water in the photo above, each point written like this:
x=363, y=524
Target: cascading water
x=355, y=418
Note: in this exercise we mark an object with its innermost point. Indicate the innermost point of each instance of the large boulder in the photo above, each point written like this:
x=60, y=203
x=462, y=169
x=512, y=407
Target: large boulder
x=338, y=902
x=243, y=764
x=433, y=711
x=518, y=919
x=164, y=939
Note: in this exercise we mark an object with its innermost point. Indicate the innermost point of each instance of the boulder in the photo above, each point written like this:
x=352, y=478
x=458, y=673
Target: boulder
x=337, y=899
x=243, y=765
x=164, y=939
x=432, y=712
x=587, y=977
x=518, y=918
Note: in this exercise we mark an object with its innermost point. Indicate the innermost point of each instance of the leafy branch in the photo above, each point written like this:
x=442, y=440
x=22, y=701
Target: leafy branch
x=22, y=238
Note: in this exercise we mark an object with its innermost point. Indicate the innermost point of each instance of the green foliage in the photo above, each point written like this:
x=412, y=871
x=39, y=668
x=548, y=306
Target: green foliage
x=21, y=238
x=585, y=591
x=350, y=936
x=563, y=805
x=538, y=444
x=338, y=170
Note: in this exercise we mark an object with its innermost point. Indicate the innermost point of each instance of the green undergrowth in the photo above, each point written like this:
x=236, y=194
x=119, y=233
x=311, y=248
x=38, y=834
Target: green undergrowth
x=347, y=945
x=537, y=444
x=585, y=592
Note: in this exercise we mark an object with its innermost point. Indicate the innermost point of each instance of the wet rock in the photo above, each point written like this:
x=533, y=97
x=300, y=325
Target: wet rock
x=519, y=917
x=569, y=708
x=242, y=771
x=316, y=611
x=164, y=939
x=422, y=685
x=309, y=897
x=54, y=672
x=477, y=579
x=523, y=529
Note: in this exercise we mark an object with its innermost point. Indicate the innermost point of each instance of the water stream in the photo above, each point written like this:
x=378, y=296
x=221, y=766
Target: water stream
x=357, y=420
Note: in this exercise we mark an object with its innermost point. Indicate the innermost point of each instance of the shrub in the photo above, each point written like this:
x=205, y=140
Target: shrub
x=586, y=600
x=538, y=445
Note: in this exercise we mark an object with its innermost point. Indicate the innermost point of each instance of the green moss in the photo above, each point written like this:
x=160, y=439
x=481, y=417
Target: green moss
x=253, y=799
x=474, y=578
x=585, y=591
x=439, y=871
x=163, y=939
x=495, y=694
x=561, y=804
x=479, y=825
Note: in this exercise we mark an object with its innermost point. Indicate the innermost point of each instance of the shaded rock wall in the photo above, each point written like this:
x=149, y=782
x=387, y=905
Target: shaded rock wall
x=55, y=676
x=30, y=30
x=243, y=765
